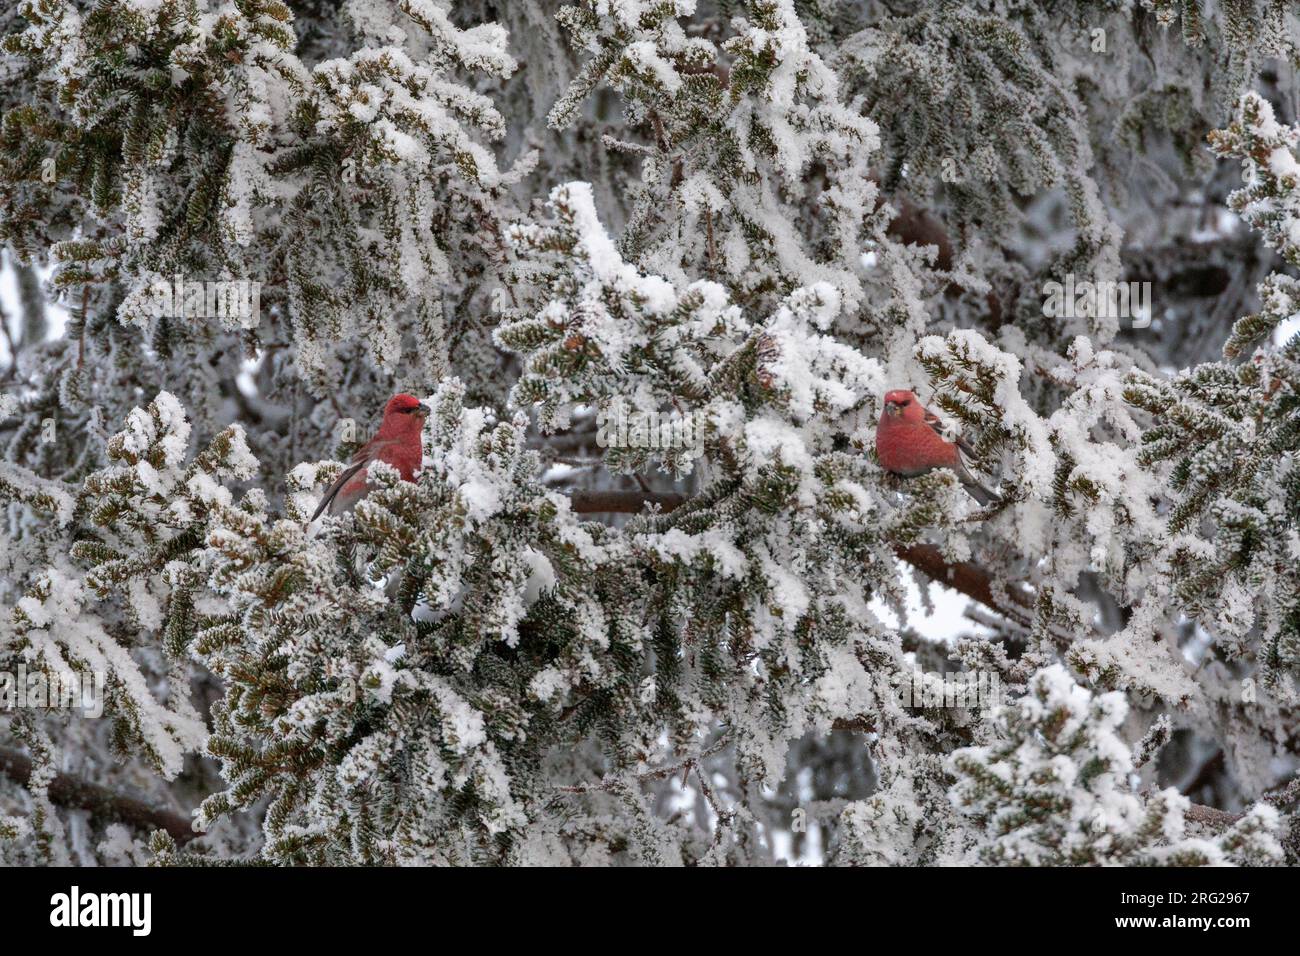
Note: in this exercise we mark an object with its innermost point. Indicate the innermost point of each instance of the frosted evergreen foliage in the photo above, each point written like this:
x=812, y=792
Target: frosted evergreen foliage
x=706, y=640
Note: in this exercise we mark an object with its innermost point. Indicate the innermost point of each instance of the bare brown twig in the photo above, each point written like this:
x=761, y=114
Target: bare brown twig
x=75, y=794
x=623, y=502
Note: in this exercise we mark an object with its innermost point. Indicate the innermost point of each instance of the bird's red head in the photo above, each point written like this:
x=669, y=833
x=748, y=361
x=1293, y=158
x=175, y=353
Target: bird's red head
x=901, y=403
x=403, y=404
x=404, y=417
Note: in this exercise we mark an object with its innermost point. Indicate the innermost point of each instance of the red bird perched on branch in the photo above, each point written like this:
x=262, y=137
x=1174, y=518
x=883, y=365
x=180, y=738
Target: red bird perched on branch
x=910, y=442
x=397, y=443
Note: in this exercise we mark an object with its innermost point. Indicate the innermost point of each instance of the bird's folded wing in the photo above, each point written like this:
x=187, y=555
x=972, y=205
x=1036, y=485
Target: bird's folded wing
x=368, y=452
x=964, y=451
x=962, y=444
x=332, y=492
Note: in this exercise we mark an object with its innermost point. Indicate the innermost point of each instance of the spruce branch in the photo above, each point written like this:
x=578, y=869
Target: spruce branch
x=623, y=502
x=1214, y=817
x=963, y=576
x=612, y=783
x=76, y=794
x=968, y=578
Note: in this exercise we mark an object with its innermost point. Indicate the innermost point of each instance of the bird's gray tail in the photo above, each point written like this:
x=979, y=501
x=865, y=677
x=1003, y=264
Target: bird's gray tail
x=976, y=489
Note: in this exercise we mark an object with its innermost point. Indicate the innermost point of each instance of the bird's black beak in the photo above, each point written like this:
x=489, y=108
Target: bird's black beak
x=893, y=409
x=424, y=411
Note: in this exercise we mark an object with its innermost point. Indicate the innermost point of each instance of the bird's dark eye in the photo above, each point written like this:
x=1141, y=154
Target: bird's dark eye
x=904, y=403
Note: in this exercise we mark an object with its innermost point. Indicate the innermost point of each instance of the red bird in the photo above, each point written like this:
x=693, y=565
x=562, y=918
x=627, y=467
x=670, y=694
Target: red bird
x=397, y=443
x=910, y=442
